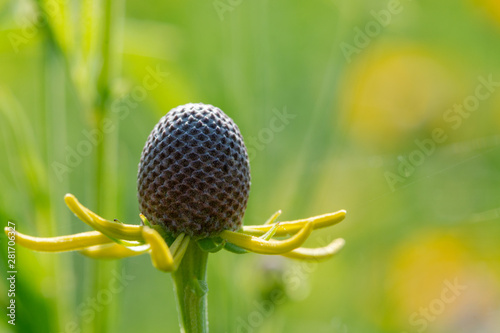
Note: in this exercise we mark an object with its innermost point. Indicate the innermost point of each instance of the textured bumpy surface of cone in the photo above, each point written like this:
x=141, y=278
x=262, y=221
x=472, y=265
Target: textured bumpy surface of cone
x=194, y=173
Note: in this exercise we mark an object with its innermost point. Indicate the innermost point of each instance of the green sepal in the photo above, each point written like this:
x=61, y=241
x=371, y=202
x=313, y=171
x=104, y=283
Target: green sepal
x=234, y=248
x=211, y=244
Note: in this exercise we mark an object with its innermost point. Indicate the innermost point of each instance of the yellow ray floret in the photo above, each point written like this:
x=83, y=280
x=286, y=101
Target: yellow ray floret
x=317, y=253
x=291, y=227
x=113, y=251
x=108, y=241
x=114, y=240
x=61, y=243
x=109, y=228
x=161, y=255
x=259, y=245
x=163, y=258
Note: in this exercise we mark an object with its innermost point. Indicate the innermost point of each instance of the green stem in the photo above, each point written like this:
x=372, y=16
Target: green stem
x=191, y=290
x=100, y=111
x=105, y=171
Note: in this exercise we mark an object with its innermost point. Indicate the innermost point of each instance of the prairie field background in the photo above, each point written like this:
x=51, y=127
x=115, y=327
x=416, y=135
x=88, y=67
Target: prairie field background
x=388, y=109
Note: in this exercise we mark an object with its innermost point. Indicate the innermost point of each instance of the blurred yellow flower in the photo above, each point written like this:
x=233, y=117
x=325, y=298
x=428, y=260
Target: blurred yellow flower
x=435, y=287
x=492, y=8
x=387, y=97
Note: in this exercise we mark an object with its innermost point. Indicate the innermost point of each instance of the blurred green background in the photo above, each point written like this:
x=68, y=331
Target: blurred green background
x=390, y=119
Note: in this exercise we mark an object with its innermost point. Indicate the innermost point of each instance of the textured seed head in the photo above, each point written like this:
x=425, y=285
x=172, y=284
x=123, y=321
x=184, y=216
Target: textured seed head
x=194, y=173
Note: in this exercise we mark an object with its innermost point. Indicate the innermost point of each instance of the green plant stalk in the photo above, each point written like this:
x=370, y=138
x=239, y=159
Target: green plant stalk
x=54, y=111
x=190, y=286
x=105, y=178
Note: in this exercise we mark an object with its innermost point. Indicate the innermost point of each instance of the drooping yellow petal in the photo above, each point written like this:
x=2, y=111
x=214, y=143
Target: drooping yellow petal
x=160, y=253
x=112, y=251
x=61, y=243
x=291, y=227
x=112, y=229
x=160, y=260
x=316, y=253
x=262, y=246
